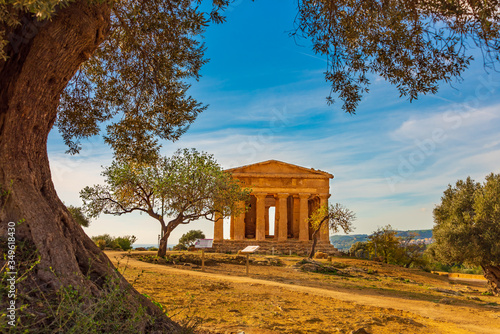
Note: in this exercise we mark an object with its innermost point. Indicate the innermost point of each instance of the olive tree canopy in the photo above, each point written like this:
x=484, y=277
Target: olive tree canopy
x=467, y=226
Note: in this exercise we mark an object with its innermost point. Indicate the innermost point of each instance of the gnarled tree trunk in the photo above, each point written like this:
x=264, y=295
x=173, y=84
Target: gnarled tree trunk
x=492, y=274
x=38, y=68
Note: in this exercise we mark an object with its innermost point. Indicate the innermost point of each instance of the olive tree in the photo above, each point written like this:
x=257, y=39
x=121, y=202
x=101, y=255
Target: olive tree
x=83, y=63
x=467, y=226
x=384, y=243
x=173, y=190
x=335, y=216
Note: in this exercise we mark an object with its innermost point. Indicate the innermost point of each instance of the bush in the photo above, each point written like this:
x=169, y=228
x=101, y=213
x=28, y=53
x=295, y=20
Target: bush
x=179, y=247
x=118, y=243
x=126, y=242
x=188, y=239
x=101, y=243
x=360, y=250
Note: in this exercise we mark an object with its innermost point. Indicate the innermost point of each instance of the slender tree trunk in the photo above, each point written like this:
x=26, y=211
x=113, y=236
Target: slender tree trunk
x=31, y=80
x=162, y=249
x=315, y=240
x=492, y=274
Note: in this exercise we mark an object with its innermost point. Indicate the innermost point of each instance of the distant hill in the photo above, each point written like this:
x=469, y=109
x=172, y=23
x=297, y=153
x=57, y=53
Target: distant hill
x=344, y=242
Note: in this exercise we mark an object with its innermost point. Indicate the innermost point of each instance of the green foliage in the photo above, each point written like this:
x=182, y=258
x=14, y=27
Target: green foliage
x=139, y=72
x=411, y=44
x=360, y=250
x=179, y=247
x=106, y=241
x=187, y=186
x=137, y=80
x=188, y=239
x=335, y=216
x=10, y=16
x=126, y=242
x=78, y=215
x=345, y=242
x=467, y=223
x=384, y=244
x=388, y=246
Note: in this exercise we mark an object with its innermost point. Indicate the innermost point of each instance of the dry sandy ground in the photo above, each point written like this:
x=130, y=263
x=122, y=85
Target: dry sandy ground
x=377, y=298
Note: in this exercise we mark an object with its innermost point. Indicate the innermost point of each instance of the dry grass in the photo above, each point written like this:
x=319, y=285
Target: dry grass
x=377, y=297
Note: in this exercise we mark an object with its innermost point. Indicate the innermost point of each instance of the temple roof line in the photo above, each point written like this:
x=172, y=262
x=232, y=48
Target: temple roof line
x=301, y=172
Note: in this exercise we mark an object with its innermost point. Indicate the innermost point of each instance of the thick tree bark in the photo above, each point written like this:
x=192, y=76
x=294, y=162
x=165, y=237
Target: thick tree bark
x=31, y=80
x=492, y=274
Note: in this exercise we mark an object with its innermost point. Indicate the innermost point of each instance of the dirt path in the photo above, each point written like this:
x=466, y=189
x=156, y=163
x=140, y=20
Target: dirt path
x=469, y=319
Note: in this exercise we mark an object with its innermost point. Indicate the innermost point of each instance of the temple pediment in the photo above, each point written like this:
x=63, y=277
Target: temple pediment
x=275, y=168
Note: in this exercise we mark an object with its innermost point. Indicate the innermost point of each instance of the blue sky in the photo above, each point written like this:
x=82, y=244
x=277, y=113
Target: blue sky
x=266, y=95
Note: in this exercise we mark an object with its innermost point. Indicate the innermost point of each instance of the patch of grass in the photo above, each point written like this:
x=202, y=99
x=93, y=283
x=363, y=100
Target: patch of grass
x=69, y=309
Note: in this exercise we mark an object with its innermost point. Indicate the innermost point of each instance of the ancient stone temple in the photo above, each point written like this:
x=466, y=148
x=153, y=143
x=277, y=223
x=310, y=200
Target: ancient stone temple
x=293, y=193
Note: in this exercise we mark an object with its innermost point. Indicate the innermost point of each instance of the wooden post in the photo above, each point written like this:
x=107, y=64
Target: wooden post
x=248, y=255
x=202, y=259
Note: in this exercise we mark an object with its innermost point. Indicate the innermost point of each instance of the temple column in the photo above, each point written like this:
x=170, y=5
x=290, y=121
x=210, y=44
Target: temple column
x=296, y=208
x=239, y=222
x=282, y=219
x=325, y=229
x=260, y=223
x=303, y=217
x=218, y=227
x=267, y=220
x=231, y=228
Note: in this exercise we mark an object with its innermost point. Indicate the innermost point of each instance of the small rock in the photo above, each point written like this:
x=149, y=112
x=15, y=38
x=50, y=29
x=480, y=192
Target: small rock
x=475, y=298
x=361, y=330
x=320, y=255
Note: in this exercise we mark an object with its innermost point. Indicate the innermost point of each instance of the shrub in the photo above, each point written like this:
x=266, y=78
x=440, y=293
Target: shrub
x=101, y=243
x=126, y=242
x=188, y=239
x=179, y=247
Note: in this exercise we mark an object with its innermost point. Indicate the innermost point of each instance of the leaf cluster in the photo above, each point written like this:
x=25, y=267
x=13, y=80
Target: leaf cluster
x=411, y=44
x=384, y=243
x=104, y=241
x=137, y=80
x=467, y=223
x=12, y=11
x=78, y=215
x=188, y=239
